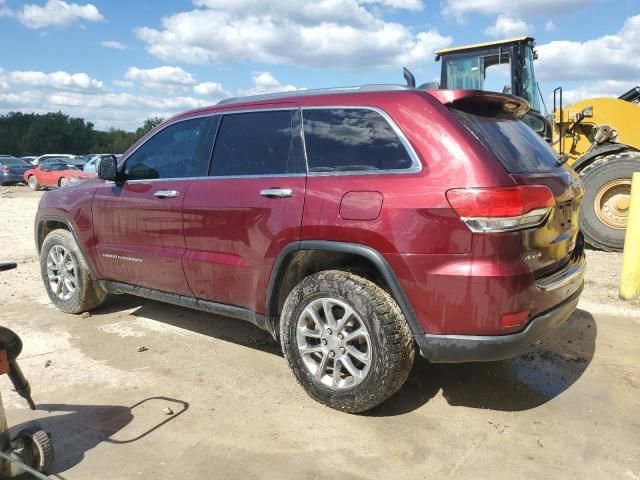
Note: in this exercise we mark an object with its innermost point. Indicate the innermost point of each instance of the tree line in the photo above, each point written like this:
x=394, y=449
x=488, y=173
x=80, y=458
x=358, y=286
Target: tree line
x=23, y=134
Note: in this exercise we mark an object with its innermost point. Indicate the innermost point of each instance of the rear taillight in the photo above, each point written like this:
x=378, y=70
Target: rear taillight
x=6, y=169
x=502, y=209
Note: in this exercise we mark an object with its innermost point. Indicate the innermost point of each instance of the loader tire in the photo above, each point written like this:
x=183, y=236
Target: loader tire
x=605, y=206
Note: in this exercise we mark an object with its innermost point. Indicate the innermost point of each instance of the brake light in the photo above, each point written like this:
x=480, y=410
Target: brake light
x=502, y=209
x=6, y=169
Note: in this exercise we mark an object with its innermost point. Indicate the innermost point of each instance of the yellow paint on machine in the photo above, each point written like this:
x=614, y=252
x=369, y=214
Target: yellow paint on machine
x=622, y=116
x=630, y=276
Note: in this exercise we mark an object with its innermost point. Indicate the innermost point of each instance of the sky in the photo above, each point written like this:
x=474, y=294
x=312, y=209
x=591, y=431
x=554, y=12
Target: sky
x=116, y=63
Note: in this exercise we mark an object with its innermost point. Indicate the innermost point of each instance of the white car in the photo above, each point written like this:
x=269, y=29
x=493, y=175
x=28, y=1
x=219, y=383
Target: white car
x=41, y=158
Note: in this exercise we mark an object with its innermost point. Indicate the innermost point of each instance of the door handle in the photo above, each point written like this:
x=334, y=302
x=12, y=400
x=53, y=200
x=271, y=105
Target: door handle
x=277, y=192
x=166, y=193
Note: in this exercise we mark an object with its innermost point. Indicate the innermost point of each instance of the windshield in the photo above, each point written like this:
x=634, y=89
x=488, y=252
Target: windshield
x=518, y=148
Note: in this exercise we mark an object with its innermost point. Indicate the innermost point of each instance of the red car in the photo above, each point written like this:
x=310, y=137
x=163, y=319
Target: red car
x=53, y=174
x=357, y=226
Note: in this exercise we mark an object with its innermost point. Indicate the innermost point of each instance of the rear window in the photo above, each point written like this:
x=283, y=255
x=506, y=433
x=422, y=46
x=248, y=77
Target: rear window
x=516, y=146
x=12, y=162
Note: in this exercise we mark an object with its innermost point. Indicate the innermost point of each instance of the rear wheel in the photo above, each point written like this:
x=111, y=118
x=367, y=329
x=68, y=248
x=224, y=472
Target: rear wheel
x=66, y=276
x=33, y=183
x=605, y=207
x=345, y=340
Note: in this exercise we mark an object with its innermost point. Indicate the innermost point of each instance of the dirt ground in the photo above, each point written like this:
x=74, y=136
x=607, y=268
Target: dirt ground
x=568, y=408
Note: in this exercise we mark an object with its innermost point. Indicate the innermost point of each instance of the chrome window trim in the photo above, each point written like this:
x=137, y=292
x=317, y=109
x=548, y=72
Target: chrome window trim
x=416, y=164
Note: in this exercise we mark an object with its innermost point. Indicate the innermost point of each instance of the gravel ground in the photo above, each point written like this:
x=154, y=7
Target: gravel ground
x=568, y=408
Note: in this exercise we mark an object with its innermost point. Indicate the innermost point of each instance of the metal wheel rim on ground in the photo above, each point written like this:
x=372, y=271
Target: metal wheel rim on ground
x=612, y=203
x=334, y=343
x=62, y=272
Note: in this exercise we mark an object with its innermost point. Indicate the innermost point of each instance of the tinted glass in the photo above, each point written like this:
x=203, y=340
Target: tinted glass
x=349, y=139
x=518, y=148
x=174, y=152
x=256, y=143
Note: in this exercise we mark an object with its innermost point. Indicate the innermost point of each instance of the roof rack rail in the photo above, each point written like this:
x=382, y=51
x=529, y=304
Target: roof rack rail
x=382, y=87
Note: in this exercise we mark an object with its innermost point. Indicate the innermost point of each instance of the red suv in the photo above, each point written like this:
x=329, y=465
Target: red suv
x=353, y=224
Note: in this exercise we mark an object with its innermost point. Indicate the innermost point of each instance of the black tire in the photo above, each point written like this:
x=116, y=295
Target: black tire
x=33, y=183
x=63, y=182
x=595, y=176
x=392, y=348
x=37, y=447
x=88, y=293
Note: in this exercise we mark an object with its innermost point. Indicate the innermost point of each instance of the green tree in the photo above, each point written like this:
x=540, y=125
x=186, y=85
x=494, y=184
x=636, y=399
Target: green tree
x=35, y=134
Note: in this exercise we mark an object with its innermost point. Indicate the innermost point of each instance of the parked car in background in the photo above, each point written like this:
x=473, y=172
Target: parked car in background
x=92, y=163
x=12, y=170
x=72, y=162
x=53, y=174
x=41, y=158
x=29, y=159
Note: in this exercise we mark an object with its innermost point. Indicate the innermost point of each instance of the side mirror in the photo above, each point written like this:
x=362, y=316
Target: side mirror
x=108, y=168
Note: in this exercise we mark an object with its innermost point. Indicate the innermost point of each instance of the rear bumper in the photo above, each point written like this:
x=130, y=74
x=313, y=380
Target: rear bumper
x=11, y=178
x=483, y=348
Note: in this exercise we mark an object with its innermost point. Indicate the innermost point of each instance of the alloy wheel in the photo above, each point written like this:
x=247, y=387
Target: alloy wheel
x=62, y=272
x=334, y=343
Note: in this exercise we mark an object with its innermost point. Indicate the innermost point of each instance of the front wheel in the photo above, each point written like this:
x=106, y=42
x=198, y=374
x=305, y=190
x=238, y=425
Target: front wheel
x=66, y=276
x=605, y=207
x=346, y=340
x=33, y=183
x=63, y=182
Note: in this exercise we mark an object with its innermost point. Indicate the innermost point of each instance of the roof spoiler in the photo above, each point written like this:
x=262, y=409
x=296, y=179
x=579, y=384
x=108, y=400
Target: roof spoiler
x=508, y=103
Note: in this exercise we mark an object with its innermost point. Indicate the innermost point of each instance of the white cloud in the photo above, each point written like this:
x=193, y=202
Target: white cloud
x=57, y=80
x=113, y=44
x=517, y=8
x=160, y=76
x=105, y=110
x=123, y=83
x=265, y=82
x=57, y=13
x=550, y=26
x=309, y=33
x=603, y=88
x=5, y=11
x=506, y=26
x=602, y=58
x=209, y=89
x=413, y=5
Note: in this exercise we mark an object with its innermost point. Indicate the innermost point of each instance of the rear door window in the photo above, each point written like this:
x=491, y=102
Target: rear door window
x=516, y=146
x=257, y=143
x=352, y=140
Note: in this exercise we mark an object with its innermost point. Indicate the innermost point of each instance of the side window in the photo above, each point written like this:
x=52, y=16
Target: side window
x=178, y=151
x=351, y=140
x=255, y=143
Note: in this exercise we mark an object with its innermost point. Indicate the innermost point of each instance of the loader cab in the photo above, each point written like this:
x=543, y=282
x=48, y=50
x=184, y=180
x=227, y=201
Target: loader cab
x=504, y=66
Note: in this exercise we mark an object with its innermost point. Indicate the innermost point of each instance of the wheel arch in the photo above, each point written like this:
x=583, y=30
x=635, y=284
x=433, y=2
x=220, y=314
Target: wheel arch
x=48, y=224
x=606, y=149
x=300, y=259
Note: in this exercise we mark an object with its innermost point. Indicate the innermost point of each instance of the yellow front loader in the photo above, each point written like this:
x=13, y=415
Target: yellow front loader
x=598, y=137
